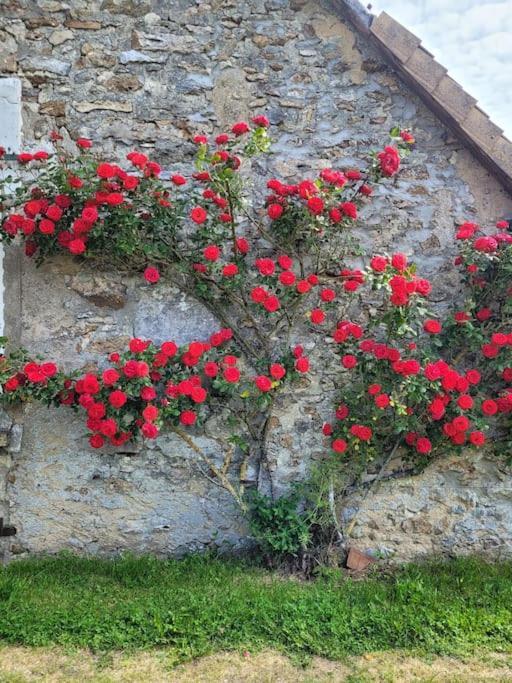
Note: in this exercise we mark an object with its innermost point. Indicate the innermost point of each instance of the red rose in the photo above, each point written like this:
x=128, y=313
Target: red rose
x=349, y=209
x=188, y=418
x=110, y=377
x=327, y=429
x=76, y=247
x=149, y=431
x=106, y=171
x=198, y=215
x=302, y=364
x=275, y=211
x=327, y=294
x=399, y=261
x=432, y=326
x=151, y=275
x=12, y=384
x=231, y=375
x=169, y=349
x=379, y=264
x=90, y=384
x=389, y=160
x=361, y=432
x=230, y=269
x=477, y=438
x=242, y=245
x=211, y=369
x=315, y=205
x=211, y=252
x=178, y=179
x=266, y=266
x=423, y=445
x=84, y=143
x=47, y=227
x=240, y=128
x=277, y=371
x=317, y=316
x=382, y=401
x=108, y=427
x=117, y=399
x=148, y=393
x=261, y=121
x=339, y=445
x=348, y=361
x=263, y=383
x=54, y=212
x=489, y=407
x=150, y=413
x=271, y=304
x=96, y=441
x=287, y=278
x=259, y=294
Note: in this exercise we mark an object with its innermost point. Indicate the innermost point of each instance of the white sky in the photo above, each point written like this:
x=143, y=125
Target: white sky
x=472, y=39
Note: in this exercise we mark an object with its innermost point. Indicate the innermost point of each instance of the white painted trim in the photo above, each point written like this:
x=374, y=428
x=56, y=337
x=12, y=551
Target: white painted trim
x=10, y=138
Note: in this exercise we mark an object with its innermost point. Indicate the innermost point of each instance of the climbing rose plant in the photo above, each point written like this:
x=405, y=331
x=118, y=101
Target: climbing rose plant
x=277, y=277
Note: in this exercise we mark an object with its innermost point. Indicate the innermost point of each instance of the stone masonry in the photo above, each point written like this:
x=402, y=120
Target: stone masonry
x=150, y=74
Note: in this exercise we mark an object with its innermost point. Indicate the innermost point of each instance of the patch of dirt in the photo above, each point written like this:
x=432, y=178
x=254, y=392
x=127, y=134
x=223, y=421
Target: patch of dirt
x=57, y=665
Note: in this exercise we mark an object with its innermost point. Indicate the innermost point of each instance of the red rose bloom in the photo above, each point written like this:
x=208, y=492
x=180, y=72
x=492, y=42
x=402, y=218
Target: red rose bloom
x=198, y=215
x=379, y=264
x=150, y=413
x=302, y=364
x=83, y=143
x=96, y=441
x=106, y=171
x=77, y=246
x=240, y=128
x=315, y=205
x=149, y=430
x=188, y=418
x=261, y=121
x=432, y=326
x=477, y=438
x=317, y=316
x=349, y=209
x=389, y=160
x=263, y=383
x=423, y=445
x=151, y=275
x=211, y=252
x=110, y=377
x=231, y=375
x=275, y=211
x=489, y=407
x=271, y=304
x=277, y=371
x=117, y=399
x=230, y=270
x=339, y=445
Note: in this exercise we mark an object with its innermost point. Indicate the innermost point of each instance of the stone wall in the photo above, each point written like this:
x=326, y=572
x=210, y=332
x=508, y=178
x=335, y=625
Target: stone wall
x=150, y=74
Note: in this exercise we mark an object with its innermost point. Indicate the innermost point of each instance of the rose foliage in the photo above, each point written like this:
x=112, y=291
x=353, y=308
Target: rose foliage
x=280, y=275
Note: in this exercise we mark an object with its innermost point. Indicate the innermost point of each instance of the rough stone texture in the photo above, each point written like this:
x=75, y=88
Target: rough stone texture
x=459, y=506
x=150, y=75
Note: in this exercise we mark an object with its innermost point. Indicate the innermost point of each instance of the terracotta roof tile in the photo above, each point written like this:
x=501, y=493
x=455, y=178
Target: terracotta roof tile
x=449, y=101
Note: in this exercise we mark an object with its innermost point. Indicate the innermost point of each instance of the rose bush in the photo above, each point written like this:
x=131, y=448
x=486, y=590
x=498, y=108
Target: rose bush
x=410, y=377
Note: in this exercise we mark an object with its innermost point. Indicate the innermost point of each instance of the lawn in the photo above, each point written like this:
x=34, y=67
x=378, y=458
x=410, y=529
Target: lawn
x=202, y=605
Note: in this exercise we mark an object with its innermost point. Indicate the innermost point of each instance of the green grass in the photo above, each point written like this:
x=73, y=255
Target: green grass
x=201, y=605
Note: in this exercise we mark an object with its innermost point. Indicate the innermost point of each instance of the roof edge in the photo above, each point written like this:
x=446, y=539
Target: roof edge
x=456, y=108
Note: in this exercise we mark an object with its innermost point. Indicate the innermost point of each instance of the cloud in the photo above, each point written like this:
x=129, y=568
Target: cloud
x=472, y=39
